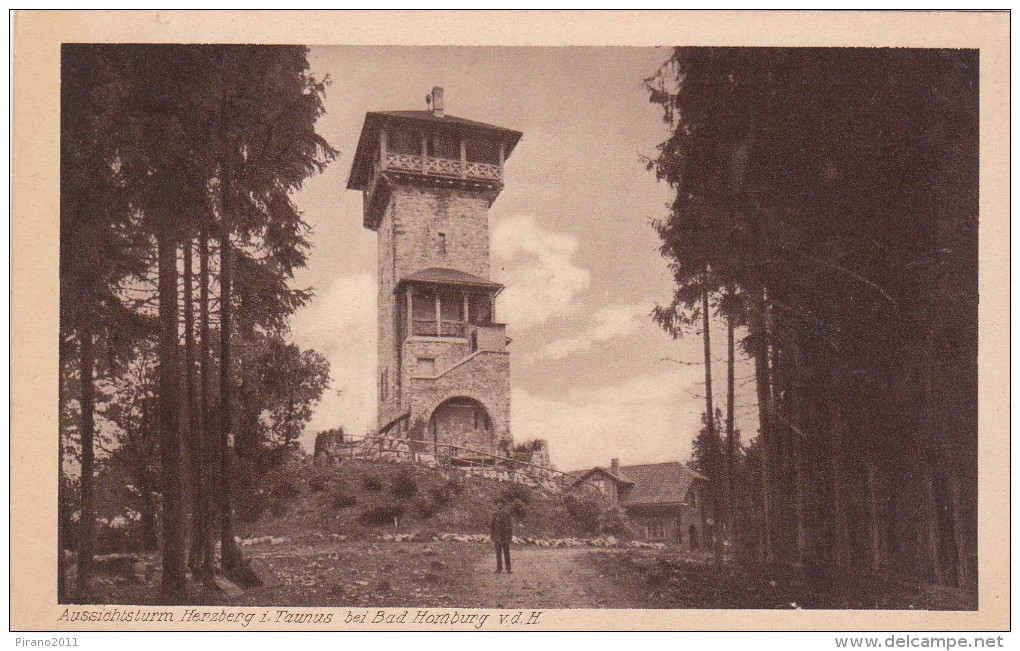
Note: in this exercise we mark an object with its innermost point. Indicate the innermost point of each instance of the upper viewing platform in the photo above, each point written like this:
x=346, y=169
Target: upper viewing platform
x=427, y=147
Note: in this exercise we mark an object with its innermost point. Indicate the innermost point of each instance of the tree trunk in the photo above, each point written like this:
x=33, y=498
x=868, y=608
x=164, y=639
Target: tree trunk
x=840, y=551
x=800, y=509
x=63, y=508
x=150, y=541
x=170, y=434
x=763, y=382
x=150, y=537
x=963, y=572
x=874, y=521
x=710, y=424
x=931, y=510
x=787, y=471
x=87, y=520
x=229, y=554
x=195, y=451
x=208, y=453
x=731, y=443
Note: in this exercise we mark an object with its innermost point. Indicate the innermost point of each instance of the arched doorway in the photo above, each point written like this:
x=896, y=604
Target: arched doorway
x=463, y=423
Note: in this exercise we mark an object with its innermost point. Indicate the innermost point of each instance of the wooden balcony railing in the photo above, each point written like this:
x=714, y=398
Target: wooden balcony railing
x=427, y=328
x=443, y=167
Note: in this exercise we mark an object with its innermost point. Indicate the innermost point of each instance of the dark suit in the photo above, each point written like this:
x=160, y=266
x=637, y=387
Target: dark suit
x=502, y=532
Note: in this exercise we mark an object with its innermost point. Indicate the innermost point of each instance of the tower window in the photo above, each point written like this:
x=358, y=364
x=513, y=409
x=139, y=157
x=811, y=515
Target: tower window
x=442, y=244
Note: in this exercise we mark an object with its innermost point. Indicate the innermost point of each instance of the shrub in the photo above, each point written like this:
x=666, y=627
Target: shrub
x=250, y=505
x=614, y=521
x=454, y=485
x=286, y=487
x=518, y=509
x=320, y=481
x=372, y=483
x=427, y=506
x=440, y=495
x=516, y=493
x=382, y=513
x=445, y=491
x=404, y=484
x=279, y=507
x=583, y=511
x=343, y=498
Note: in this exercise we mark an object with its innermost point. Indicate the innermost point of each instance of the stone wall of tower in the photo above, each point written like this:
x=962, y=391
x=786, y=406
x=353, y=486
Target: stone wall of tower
x=421, y=214
x=388, y=370
x=484, y=377
x=425, y=227
x=422, y=227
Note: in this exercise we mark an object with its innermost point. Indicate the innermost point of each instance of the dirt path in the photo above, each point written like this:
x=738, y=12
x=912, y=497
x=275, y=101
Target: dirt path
x=546, y=578
x=405, y=575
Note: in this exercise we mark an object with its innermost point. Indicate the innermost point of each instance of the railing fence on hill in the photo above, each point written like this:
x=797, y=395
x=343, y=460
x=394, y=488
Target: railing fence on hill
x=466, y=460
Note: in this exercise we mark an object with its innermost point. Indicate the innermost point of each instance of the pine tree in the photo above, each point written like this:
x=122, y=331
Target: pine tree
x=99, y=248
x=835, y=190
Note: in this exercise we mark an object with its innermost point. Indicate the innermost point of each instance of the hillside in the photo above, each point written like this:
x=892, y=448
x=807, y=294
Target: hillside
x=366, y=499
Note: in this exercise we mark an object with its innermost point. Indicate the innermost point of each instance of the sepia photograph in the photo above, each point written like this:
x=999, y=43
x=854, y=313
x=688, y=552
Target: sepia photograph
x=447, y=334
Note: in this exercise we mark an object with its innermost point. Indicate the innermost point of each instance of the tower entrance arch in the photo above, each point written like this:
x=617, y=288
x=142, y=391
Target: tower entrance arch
x=462, y=422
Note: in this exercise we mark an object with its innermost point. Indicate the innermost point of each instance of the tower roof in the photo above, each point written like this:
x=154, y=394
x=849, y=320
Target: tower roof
x=444, y=276
x=361, y=169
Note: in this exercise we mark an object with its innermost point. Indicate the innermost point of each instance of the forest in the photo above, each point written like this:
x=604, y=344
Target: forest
x=827, y=206
x=178, y=242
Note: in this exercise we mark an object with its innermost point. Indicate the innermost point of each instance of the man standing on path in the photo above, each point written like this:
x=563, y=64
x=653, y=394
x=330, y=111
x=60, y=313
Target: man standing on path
x=502, y=532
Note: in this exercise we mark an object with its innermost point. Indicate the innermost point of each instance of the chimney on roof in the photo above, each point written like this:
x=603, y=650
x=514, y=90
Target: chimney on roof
x=437, y=101
x=614, y=466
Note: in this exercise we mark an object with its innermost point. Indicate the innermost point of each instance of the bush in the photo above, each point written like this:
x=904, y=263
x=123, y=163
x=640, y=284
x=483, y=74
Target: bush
x=382, y=513
x=404, y=484
x=445, y=491
x=427, y=506
x=454, y=485
x=279, y=507
x=516, y=493
x=320, y=481
x=595, y=517
x=613, y=521
x=286, y=487
x=372, y=483
x=518, y=509
x=343, y=498
x=250, y=506
x=583, y=511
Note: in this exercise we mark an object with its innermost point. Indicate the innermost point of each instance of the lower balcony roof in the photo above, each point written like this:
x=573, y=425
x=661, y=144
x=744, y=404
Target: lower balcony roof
x=444, y=276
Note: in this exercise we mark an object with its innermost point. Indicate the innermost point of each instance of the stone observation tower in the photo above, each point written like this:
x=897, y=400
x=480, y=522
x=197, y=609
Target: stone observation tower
x=428, y=180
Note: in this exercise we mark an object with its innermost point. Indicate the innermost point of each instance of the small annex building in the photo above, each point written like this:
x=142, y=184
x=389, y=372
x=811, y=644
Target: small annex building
x=664, y=500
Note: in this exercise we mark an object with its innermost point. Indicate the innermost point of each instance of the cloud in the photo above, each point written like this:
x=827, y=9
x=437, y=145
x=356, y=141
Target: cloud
x=646, y=418
x=618, y=320
x=535, y=265
x=340, y=323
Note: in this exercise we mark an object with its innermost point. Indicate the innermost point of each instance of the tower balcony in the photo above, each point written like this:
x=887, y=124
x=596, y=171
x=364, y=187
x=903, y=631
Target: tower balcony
x=427, y=148
x=427, y=170
x=446, y=167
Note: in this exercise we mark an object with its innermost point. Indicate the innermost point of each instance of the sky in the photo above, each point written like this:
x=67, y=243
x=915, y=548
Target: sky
x=570, y=238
